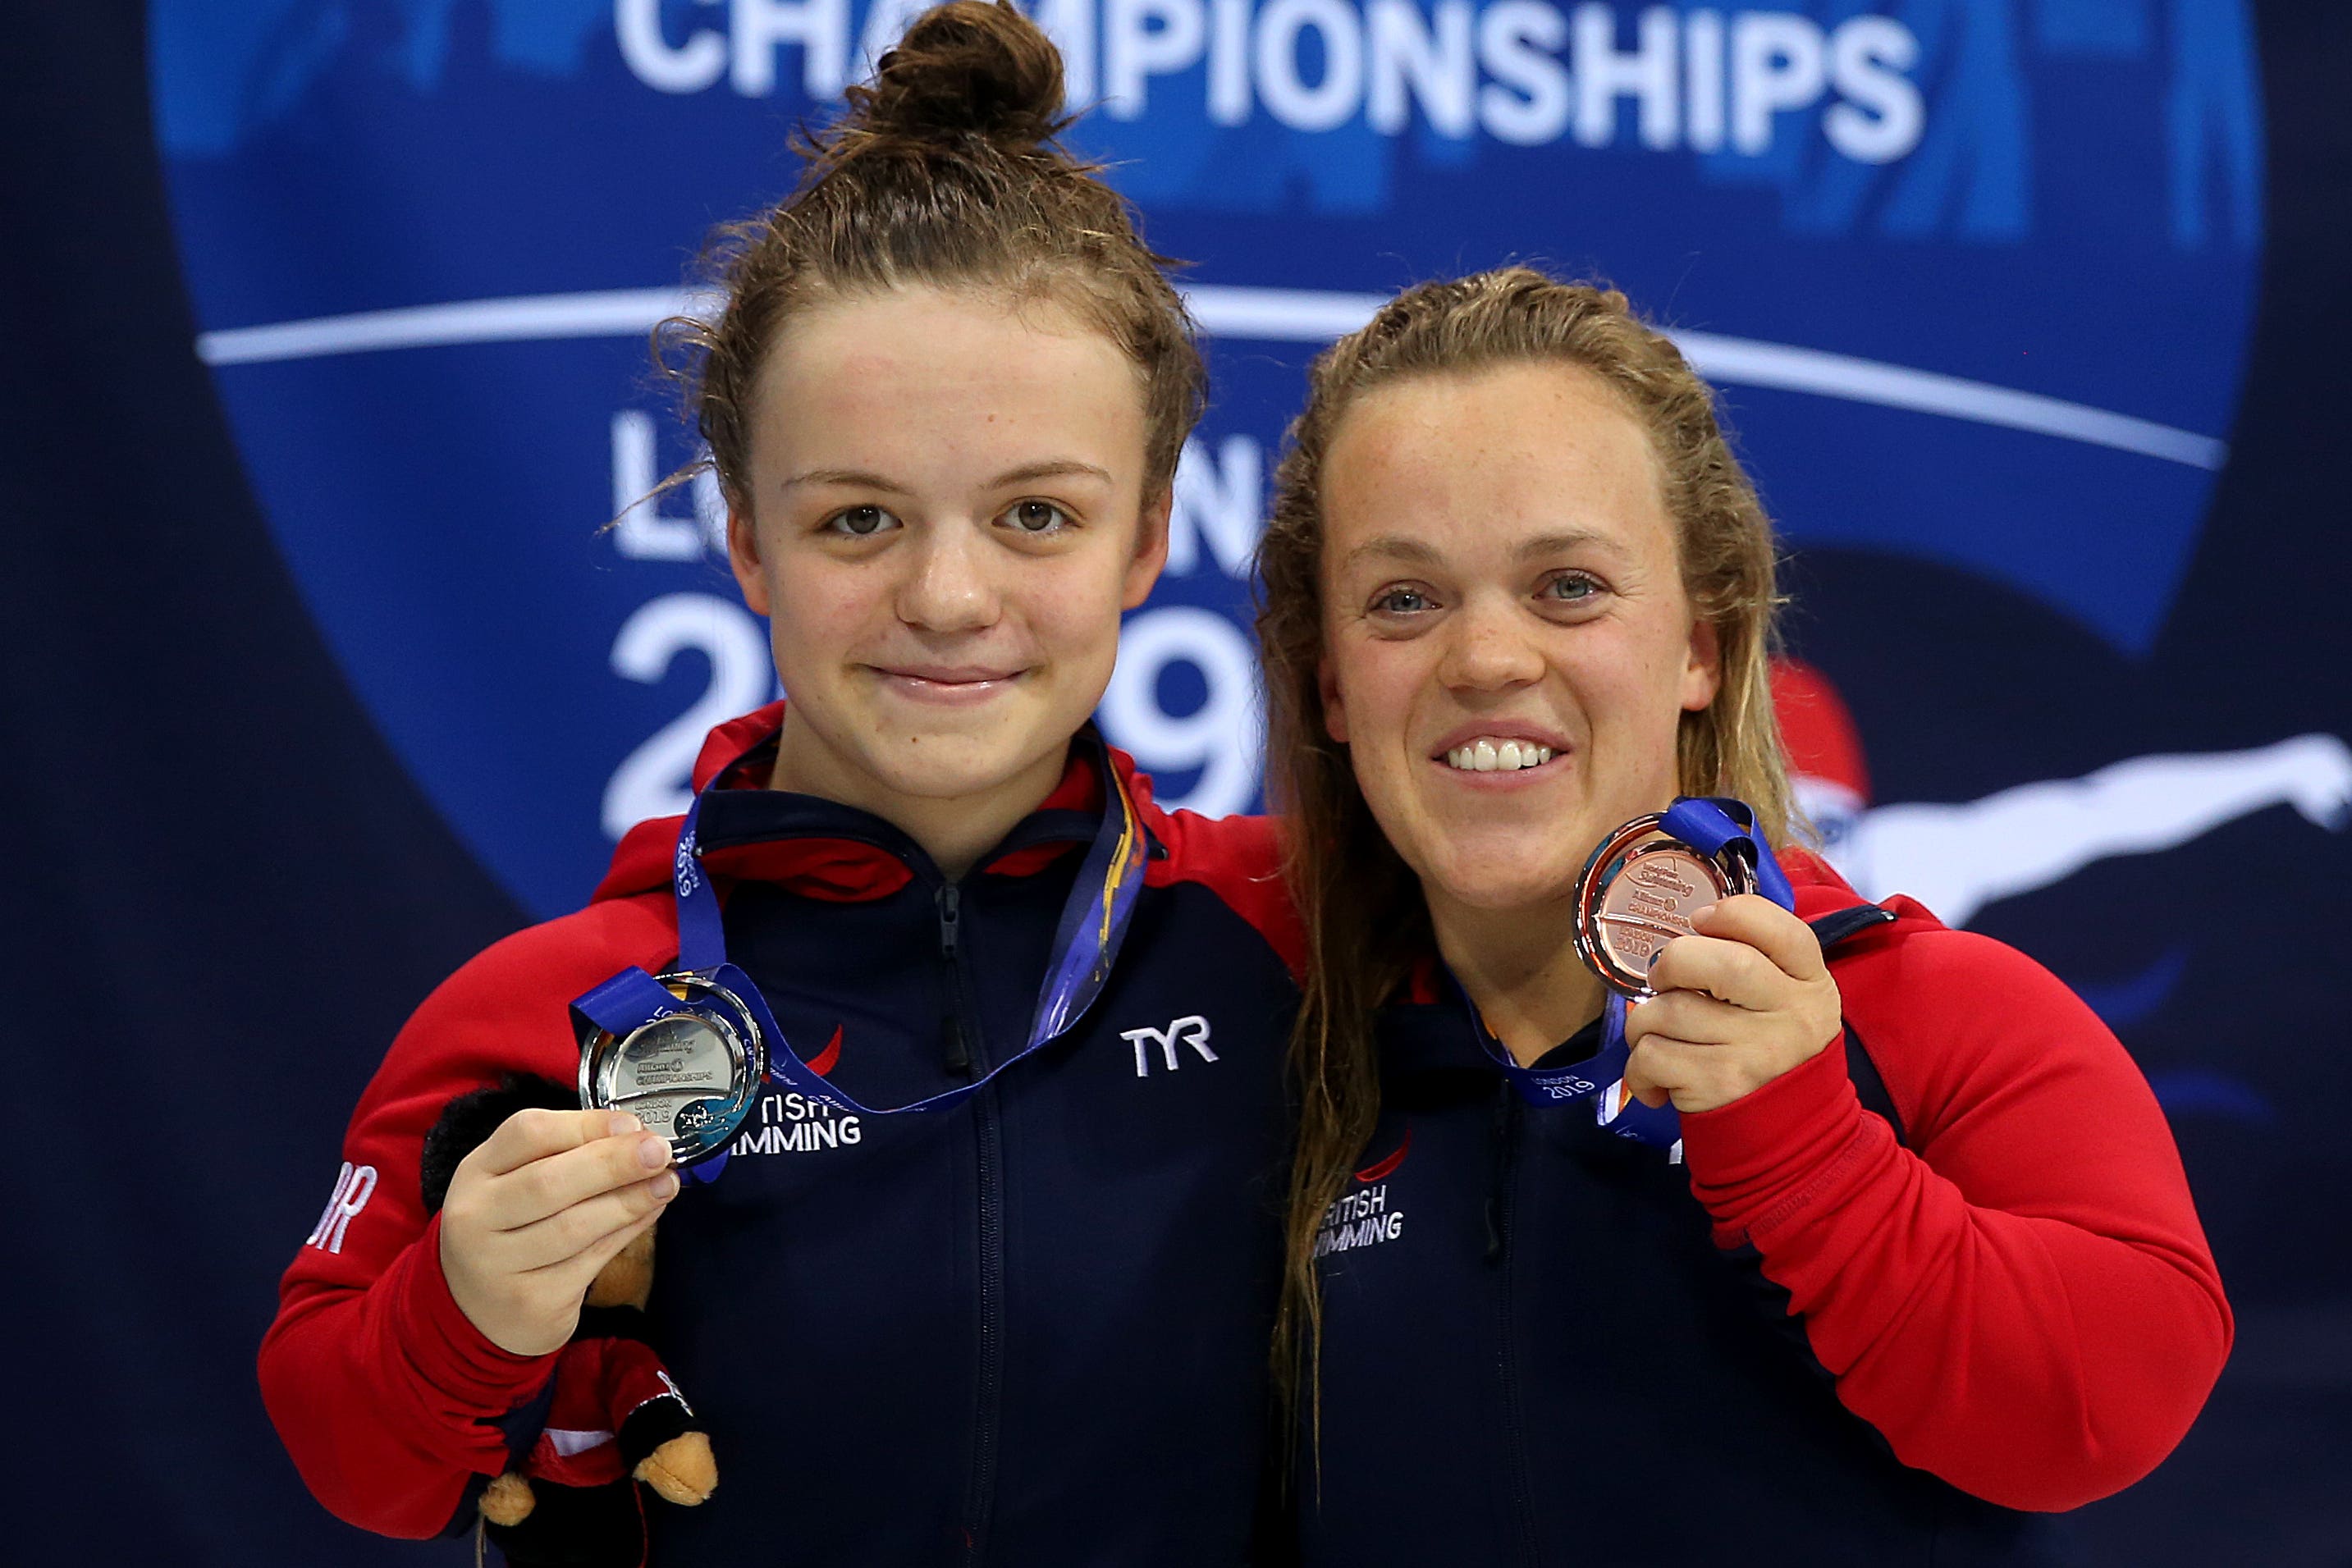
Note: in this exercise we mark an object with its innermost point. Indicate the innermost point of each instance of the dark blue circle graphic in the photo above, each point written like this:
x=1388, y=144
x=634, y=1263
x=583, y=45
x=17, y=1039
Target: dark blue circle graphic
x=1976, y=278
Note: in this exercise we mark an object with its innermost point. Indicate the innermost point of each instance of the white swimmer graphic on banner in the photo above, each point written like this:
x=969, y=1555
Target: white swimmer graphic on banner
x=1957, y=858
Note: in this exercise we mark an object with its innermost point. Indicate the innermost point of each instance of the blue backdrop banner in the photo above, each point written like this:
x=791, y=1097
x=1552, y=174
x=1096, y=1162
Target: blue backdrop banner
x=329, y=321
x=1922, y=246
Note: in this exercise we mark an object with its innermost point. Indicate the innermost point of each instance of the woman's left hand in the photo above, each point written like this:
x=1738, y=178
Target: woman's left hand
x=1739, y=1004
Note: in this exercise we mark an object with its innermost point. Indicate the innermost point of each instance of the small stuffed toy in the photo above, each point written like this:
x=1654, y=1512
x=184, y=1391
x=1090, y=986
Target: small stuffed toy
x=614, y=1417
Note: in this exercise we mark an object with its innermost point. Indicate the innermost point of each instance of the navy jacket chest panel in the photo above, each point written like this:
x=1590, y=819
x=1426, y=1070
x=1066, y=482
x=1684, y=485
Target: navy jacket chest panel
x=1608, y=1337
x=1139, y=1245
x=1143, y=1252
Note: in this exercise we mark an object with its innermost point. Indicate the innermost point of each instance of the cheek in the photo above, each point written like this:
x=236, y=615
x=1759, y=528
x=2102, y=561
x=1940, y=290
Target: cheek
x=1377, y=683
x=821, y=609
x=1072, y=606
x=1631, y=691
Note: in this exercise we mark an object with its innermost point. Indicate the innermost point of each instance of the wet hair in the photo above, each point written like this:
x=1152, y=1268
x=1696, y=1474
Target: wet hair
x=944, y=171
x=1367, y=922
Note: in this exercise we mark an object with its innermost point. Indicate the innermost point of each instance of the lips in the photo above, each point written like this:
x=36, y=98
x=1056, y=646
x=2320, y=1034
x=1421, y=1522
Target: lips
x=950, y=684
x=949, y=674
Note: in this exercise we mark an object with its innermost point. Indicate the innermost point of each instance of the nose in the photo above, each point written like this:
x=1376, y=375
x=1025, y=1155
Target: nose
x=1489, y=650
x=949, y=586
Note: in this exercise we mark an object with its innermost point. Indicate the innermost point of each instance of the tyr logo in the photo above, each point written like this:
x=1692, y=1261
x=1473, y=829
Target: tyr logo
x=354, y=1187
x=1193, y=1032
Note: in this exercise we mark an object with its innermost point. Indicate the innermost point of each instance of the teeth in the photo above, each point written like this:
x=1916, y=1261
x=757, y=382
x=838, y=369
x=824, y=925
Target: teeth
x=1499, y=756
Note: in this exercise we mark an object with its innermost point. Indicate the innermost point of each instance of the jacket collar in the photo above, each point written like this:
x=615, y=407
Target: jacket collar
x=822, y=848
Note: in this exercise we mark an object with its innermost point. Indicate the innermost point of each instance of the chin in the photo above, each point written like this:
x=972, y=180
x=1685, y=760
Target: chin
x=1495, y=879
x=943, y=765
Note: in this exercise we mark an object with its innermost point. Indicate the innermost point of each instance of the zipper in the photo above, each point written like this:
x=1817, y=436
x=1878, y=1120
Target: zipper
x=955, y=1050
x=1502, y=1213
x=962, y=1034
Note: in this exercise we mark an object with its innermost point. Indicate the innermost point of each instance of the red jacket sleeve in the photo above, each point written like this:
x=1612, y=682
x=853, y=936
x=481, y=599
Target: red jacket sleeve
x=2021, y=1299
x=380, y=1387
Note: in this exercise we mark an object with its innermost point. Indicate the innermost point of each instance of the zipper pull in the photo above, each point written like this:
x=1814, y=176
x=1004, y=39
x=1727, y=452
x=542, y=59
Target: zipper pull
x=950, y=898
x=953, y=1053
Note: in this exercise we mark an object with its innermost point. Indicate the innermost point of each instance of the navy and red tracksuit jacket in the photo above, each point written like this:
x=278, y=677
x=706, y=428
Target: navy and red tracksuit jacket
x=1939, y=1277
x=1032, y=1329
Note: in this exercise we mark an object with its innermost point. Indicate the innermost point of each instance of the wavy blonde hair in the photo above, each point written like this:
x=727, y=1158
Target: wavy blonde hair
x=1365, y=918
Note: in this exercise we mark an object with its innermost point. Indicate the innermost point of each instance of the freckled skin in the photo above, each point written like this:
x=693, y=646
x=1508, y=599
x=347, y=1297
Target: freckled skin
x=896, y=447
x=1593, y=638
x=1498, y=551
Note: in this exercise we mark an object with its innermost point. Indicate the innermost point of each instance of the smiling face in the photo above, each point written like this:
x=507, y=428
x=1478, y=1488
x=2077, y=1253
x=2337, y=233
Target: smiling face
x=946, y=516
x=1501, y=586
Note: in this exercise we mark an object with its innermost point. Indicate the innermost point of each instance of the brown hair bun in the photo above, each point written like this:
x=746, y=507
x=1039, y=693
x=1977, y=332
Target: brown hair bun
x=942, y=173
x=966, y=68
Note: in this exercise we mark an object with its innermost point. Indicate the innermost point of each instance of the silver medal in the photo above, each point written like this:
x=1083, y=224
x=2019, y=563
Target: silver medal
x=689, y=1076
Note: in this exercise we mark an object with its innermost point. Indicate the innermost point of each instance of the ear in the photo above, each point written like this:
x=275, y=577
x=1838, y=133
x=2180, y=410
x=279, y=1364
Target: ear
x=1702, y=666
x=1150, y=550
x=1335, y=710
x=743, y=557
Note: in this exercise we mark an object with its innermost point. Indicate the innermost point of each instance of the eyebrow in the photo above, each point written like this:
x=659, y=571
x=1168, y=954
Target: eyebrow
x=1397, y=546
x=1051, y=468
x=1393, y=547
x=866, y=479
x=858, y=478
x=1561, y=543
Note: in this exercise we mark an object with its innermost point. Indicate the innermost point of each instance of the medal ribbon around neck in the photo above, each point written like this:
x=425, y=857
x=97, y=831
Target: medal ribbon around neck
x=1086, y=939
x=1714, y=827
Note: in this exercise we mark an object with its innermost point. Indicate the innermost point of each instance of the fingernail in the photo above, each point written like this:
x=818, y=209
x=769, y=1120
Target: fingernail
x=653, y=1154
x=623, y=1125
x=666, y=1186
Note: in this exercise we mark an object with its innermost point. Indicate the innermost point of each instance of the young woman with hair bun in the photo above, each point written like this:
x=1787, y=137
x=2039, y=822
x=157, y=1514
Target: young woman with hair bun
x=944, y=399
x=1916, y=1262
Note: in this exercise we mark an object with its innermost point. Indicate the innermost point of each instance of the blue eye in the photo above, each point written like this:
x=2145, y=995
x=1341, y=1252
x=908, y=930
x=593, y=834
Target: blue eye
x=860, y=522
x=1400, y=602
x=1572, y=587
x=1035, y=518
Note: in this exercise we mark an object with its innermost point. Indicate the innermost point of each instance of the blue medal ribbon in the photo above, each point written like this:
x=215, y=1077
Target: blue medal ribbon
x=1086, y=940
x=1713, y=826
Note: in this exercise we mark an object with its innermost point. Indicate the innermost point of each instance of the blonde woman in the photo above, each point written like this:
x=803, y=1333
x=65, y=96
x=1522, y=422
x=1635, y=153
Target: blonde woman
x=1925, y=1261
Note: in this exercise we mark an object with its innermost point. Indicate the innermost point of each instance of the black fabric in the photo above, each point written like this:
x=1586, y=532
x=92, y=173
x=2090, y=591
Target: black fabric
x=651, y=1425
x=614, y=1323
x=576, y=1527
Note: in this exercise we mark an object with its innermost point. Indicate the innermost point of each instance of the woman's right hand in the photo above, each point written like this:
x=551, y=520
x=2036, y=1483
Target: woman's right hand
x=538, y=1210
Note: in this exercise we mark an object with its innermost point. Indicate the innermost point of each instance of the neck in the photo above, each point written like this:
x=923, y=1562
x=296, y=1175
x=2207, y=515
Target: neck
x=1521, y=967
x=955, y=830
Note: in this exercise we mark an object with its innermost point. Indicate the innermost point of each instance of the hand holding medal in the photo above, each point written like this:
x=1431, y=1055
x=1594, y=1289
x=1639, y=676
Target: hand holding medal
x=686, y=1051
x=1685, y=916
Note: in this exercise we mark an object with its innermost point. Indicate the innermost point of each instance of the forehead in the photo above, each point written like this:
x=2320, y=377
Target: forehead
x=1493, y=456
x=925, y=368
